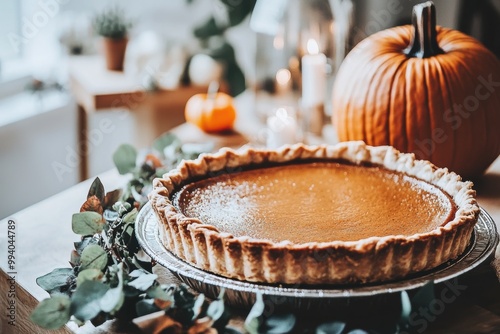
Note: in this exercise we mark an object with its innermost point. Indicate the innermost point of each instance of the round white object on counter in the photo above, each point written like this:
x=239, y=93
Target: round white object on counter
x=203, y=69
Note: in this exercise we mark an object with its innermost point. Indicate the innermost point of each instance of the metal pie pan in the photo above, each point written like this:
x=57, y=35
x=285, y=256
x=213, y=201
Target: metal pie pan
x=241, y=293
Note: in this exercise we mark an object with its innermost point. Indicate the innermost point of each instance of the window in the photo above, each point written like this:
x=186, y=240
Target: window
x=10, y=29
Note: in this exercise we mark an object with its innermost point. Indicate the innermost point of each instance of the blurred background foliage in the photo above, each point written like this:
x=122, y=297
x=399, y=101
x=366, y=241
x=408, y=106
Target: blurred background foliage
x=227, y=14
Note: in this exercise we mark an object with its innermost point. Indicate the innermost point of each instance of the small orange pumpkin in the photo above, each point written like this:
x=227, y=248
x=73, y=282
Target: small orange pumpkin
x=423, y=89
x=211, y=113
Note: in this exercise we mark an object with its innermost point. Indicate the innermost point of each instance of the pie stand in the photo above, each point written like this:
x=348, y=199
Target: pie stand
x=316, y=300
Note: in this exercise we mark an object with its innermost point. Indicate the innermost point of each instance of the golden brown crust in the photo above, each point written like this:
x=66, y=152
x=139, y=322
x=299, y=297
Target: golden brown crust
x=368, y=260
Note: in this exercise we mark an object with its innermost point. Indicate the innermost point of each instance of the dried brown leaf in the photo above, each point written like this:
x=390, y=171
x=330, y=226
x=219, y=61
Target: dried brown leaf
x=162, y=304
x=92, y=204
x=96, y=189
x=156, y=323
x=201, y=326
x=112, y=197
x=153, y=161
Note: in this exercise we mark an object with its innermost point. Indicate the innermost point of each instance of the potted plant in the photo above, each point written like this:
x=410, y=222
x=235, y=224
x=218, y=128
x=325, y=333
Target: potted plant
x=113, y=26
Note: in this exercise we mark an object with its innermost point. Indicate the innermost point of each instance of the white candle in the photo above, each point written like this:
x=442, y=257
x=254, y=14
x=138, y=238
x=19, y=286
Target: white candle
x=282, y=129
x=313, y=76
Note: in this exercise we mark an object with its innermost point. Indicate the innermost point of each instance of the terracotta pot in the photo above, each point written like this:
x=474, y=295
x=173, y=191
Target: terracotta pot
x=114, y=51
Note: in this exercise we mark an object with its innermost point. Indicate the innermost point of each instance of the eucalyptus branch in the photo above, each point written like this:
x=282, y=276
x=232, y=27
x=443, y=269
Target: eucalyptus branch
x=108, y=281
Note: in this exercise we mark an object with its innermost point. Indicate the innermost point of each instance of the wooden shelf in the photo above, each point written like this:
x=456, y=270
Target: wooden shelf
x=95, y=88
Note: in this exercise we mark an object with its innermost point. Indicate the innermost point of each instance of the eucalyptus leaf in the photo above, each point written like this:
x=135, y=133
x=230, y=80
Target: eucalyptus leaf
x=254, y=319
x=359, y=331
x=121, y=207
x=198, y=306
x=57, y=280
x=80, y=245
x=142, y=280
x=143, y=265
x=85, y=302
x=137, y=273
x=94, y=256
x=280, y=323
x=335, y=327
x=405, y=308
x=184, y=303
x=216, y=309
x=141, y=198
x=91, y=274
x=112, y=300
x=52, y=313
x=218, y=312
x=87, y=223
x=128, y=230
x=157, y=292
x=97, y=190
x=110, y=215
x=125, y=158
x=166, y=140
x=130, y=216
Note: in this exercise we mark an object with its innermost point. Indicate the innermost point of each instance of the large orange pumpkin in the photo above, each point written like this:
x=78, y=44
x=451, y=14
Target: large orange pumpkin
x=423, y=89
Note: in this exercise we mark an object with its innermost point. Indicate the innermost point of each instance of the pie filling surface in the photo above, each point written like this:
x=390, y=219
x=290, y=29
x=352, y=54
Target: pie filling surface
x=316, y=202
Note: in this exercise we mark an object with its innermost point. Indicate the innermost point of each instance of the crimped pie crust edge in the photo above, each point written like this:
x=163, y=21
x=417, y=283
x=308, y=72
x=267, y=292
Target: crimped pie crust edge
x=368, y=260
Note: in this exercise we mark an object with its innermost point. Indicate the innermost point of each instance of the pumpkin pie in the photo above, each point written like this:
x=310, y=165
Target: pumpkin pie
x=343, y=214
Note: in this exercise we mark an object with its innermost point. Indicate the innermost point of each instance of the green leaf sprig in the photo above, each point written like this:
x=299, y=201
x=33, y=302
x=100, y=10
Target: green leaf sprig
x=167, y=151
x=109, y=280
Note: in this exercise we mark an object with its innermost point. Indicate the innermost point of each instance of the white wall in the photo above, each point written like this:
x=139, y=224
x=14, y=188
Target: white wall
x=28, y=150
x=120, y=129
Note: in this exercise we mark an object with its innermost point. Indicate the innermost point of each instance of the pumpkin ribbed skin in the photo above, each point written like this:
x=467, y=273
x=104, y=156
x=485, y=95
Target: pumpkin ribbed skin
x=444, y=108
x=211, y=114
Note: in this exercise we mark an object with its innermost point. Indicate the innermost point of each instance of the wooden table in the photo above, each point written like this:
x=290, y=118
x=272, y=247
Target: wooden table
x=95, y=89
x=44, y=241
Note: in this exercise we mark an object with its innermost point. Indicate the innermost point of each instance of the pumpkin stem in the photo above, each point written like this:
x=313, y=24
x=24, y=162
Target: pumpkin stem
x=424, y=43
